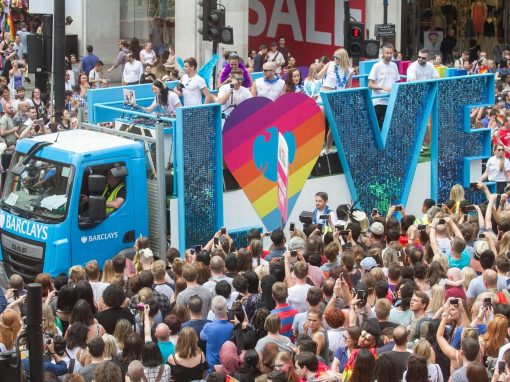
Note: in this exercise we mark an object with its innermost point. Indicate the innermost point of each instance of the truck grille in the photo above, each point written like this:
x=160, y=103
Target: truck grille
x=22, y=256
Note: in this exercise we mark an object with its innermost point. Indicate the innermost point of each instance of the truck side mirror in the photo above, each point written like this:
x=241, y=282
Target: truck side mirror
x=97, y=184
x=97, y=208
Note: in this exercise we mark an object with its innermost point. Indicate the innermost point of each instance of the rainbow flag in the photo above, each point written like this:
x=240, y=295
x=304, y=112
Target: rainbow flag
x=10, y=25
x=230, y=379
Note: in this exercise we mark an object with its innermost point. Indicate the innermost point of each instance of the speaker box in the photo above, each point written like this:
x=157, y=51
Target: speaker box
x=71, y=44
x=35, y=53
x=321, y=168
x=229, y=182
x=335, y=166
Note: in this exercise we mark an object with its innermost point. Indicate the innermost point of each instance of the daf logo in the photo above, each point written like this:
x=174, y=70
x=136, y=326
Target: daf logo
x=19, y=249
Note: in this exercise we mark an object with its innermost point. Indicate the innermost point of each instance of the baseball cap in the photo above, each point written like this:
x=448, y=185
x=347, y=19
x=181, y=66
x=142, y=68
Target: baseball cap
x=377, y=228
x=479, y=247
x=368, y=263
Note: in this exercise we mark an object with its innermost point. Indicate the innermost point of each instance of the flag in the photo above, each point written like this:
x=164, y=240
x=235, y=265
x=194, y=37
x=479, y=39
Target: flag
x=10, y=24
x=230, y=379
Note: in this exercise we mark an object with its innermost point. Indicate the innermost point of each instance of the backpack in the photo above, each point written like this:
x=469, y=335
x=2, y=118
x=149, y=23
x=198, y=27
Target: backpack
x=418, y=326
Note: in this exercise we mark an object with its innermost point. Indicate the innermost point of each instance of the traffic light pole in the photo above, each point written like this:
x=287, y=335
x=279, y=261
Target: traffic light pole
x=214, y=51
x=385, y=12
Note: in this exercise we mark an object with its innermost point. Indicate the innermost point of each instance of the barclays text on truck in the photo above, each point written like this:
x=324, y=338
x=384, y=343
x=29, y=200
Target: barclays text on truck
x=22, y=226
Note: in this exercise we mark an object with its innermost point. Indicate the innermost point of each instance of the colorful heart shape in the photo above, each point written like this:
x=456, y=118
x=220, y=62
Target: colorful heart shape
x=250, y=144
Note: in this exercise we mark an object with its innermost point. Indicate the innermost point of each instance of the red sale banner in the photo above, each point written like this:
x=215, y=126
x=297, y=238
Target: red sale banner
x=312, y=28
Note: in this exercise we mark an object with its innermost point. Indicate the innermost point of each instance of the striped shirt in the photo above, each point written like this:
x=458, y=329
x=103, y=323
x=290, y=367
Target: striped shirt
x=286, y=314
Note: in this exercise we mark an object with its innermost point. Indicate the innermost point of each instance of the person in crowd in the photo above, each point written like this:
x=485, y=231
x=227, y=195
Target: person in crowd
x=260, y=58
x=421, y=69
x=147, y=55
x=231, y=94
x=381, y=79
x=121, y=58
x=192, y=86
x=96, y=76
x=276, y=57
x=234, y=63
x=293, y=82
x=188, y=363
x=113, y=299
x=89, y=61
x=270, y=85
x=165, y=100
x=497, y=169
x=133, y=70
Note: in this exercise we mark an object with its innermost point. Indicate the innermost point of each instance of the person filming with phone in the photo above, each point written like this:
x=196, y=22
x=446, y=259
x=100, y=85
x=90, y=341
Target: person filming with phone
x=232, y=93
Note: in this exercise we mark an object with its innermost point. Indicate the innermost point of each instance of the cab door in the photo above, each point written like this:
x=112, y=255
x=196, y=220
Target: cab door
x=103, y=240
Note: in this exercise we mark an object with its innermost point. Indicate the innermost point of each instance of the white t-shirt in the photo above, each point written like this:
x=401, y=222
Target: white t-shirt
x=239, y=96
x=331, y=80
x=148, y=57
x=297, y=297
x=192, y=92
x=384, y=75
x=132, y=71
x=173, y=101
x=416, y=72
x=269, y=89
x=495, y=175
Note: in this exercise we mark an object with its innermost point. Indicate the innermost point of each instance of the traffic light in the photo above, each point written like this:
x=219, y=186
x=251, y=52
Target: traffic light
x=355, y=39
x=216, y=21
x=208, y=7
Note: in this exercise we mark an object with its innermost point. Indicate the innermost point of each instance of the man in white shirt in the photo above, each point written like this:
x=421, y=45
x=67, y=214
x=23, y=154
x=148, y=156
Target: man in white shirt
x=381, y=79
x=232, y=94
x=192, y=86
x=133, y=70
x=421, y=69
x=96, y=76
x=269, y=86
x=275, y=56
x=92, y=273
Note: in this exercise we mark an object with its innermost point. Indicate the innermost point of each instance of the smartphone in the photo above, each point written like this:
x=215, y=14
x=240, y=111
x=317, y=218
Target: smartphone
x=140, y=307
x=501, y=367
x=344, y=232
x=466, y=217
x=292, y=227
x=375, y=211
x=454, y=301
x=471, y=207
x=267, y=234
x=223, y=230
x=473, y=186
x=198, y=248
x=216, y=241
x=487, y=302
x=398, y=208
x=422, y=227
x=340, y=227
x=481, y=236
x=324, y=217
x=442, y=221
x=230, y=315
x=192, y=250
x=360, y=294
x=293, y=253
x=319, y=227
x=16, y=294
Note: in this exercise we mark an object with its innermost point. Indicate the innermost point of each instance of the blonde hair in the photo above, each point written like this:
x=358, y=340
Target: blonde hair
x=144, y=294
x=110, y=347
x=344, y=59
x=423, y=348
x=311, y=73
x=77, y=273
x=378, y=274
x=123, y=329
x=108, y=272
x=49, y=320
x=457, y=193
x=468, y=274
x=187, y=341
x=436, y=298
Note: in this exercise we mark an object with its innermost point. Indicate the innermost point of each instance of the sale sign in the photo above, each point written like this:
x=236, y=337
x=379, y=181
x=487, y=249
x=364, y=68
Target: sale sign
x=283, y=175
x=312, y=28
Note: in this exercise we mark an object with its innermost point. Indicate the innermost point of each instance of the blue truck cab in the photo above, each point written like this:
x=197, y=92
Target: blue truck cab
x=53, y=210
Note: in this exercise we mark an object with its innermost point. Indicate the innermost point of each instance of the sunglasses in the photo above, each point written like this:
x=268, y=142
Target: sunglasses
x=422, y=58
x=267, y=70
x=240, y=79
x=500, y=150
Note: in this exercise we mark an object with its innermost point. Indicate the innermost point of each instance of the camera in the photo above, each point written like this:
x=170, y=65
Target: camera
x=454, y=301
x=21, y=66
x=422, y=227
x=324, y=217
x=293, y=253
x=180, y=86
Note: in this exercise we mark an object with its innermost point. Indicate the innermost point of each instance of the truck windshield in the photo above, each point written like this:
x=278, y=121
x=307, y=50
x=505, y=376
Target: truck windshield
x=42, y=190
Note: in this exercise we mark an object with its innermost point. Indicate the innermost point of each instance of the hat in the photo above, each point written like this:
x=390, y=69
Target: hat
x=146, y=255
x=377, y=228
x=479, y=247
x=368, y=263
x=296, y=244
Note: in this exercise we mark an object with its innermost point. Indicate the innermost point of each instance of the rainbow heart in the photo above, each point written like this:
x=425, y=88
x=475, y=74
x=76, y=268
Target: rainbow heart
x=250, y=143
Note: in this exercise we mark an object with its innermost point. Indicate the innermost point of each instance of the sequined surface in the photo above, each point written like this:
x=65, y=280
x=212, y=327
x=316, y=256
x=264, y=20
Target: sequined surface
x=200, y=173
x=379, y=175
x=453, y=143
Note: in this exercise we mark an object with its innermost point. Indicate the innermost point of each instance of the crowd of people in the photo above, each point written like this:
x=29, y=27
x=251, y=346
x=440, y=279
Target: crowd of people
x=352, y=296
